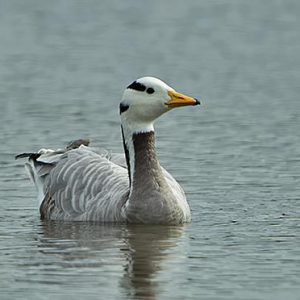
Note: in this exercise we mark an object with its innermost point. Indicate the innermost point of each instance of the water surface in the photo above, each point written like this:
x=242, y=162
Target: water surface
x=64, y=65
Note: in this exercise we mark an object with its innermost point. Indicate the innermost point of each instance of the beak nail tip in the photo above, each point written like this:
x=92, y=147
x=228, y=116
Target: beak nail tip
x=197, y=102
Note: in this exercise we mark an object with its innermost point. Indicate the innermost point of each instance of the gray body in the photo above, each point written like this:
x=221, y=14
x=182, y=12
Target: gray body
x=85, y=184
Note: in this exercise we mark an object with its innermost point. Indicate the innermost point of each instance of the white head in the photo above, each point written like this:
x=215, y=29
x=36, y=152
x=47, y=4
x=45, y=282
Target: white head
x=146, y=99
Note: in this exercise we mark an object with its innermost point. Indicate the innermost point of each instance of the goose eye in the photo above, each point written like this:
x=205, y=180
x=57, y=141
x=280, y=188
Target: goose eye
x=150, y=90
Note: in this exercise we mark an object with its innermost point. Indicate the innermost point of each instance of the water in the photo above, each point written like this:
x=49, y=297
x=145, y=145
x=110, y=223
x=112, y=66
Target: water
x=64, y=65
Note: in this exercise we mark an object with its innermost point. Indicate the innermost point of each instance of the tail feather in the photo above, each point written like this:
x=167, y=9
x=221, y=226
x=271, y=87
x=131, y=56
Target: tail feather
x=36, y=179
x=38, y=170
x=39, y=166
x=40, y=163
x=30, y=155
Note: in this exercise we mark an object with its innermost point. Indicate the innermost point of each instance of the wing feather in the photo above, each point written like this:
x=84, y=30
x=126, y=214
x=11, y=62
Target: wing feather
x=87, y=186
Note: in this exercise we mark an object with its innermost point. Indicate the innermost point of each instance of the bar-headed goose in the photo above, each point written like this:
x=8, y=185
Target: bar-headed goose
x=81, y=183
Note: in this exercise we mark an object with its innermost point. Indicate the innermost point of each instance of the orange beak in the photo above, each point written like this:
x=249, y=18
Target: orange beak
x=178, y=100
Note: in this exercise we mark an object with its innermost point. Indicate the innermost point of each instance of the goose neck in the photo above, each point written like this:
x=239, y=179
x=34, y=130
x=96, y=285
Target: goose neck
x=141, y=158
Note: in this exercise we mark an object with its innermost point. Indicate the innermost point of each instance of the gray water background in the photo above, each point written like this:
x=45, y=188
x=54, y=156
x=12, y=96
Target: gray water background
x=63, y=68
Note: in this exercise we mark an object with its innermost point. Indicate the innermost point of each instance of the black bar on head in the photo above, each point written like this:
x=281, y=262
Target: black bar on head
x=137, y=86
x=123, y=107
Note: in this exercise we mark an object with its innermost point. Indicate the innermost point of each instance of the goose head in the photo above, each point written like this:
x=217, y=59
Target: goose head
x=145, y=100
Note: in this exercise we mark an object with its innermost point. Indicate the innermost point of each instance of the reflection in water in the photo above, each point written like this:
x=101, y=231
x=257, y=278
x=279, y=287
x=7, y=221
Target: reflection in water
x=140, y=249
x=148, y=247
